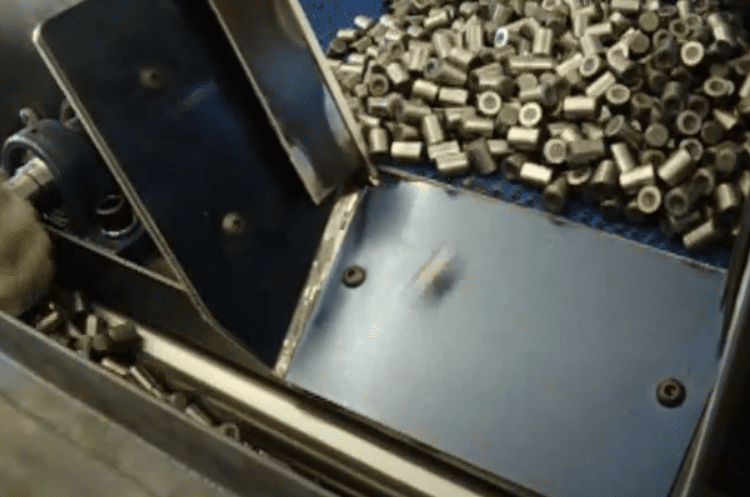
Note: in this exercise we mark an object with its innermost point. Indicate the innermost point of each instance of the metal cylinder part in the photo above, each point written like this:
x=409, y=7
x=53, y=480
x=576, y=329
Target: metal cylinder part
x=480, y=157
x=498, y=147
x=743, y=184
x=536, y=174
x=579, y=177
x=145, y=379
x=582, y=152
x=605, y=180
x=199, y=415
x=678, y=200
x=689, y=123
x=452, y=164
x=379, y=143
x=477, y=126
x=657, y=135
x=454, y=116
x=115, y=366
x=672, y=98
x=725, y=157
x=543, y=41
x=510, y=166
x=50, y=322
x=524, y=138
x=700, y=105
x=410, y=112
x=530, y=115
x=677, y=167
x=230, y=430
x=432, y=131
x=692, y=53
x=702, y=236
x=453, y=96
x=693, y=147
x=635, y=179
x=406, y=151
x=619, y=128
x=417, y=58
x=622, y=157
x=703, y=181
x=617, y=96
x=488, y=103
x=579, y=107
x=649, y=199
x=654, y=157
x=520, y=63
x=641, y=106
x=555, y=151
x=599, y=87
x=444, y=73
x=716, y=87
x=451, y=147
x=424, y=90
x=555, y=194
x=649, y=21
x=590, y=66
x=727, y=119
x=460, y=58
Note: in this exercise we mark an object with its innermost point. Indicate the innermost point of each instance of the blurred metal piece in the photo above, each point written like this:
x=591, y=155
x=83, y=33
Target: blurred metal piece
x=555, y=194
x=530, y=115
x=432, y=131
x=649, y=199
x=677, y=168
x=480, y=156
x=536, y=174
x=703, y=181
x=451, y=147
x=379, y=143
x=580, y=107
x=689, y=123
x=477, y=126
x=488, y=103
x=582, y=152
x=452, y=164
x=524, y=138
x=623, y=158
x=406, y=151
x=635, y=179
x=678, y=200
x=657, y=135
x=425, y=90
x=728, y=202
x=703, y=236
x=599, y=87
x=115, y=367
x=555, y=151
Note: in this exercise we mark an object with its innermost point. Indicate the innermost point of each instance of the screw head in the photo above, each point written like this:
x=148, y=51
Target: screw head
x=670, y=392
x=354, y=276
x=233, y=223
x=152, y=78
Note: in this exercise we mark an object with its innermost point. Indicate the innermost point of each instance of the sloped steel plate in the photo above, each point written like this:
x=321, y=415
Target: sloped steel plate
x=168, y=106
x=280, y=53
x=525, y=344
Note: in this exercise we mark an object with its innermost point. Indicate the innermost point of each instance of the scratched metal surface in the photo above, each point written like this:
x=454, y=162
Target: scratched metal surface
x=555, y=388
x=328, y=17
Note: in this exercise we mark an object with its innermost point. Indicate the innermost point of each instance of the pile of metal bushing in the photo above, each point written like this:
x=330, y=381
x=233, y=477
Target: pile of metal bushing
x=69, y=320
x=637, y=106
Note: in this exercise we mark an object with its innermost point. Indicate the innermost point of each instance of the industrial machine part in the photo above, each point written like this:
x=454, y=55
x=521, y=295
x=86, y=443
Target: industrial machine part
x=181, y=352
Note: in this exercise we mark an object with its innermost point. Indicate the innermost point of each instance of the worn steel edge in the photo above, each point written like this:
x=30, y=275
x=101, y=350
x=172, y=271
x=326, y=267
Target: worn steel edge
x=292, y=27
x=324, y=434
x=333, y=237
x=726, y=396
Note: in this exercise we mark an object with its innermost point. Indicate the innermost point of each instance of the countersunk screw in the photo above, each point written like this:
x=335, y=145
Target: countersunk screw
x=233, y=223
x=354, y=276
x=670, y=392
x=152, y=78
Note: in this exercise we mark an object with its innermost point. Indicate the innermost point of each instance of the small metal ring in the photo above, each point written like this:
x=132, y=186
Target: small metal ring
x=354, y=276
x=670, y=392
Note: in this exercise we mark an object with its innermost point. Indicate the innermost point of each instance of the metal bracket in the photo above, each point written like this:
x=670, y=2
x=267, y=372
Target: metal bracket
x=164, y=100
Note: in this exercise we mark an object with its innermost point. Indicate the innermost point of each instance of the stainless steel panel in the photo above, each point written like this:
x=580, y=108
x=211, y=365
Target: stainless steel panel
x=538, y=357
x=305, y=105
